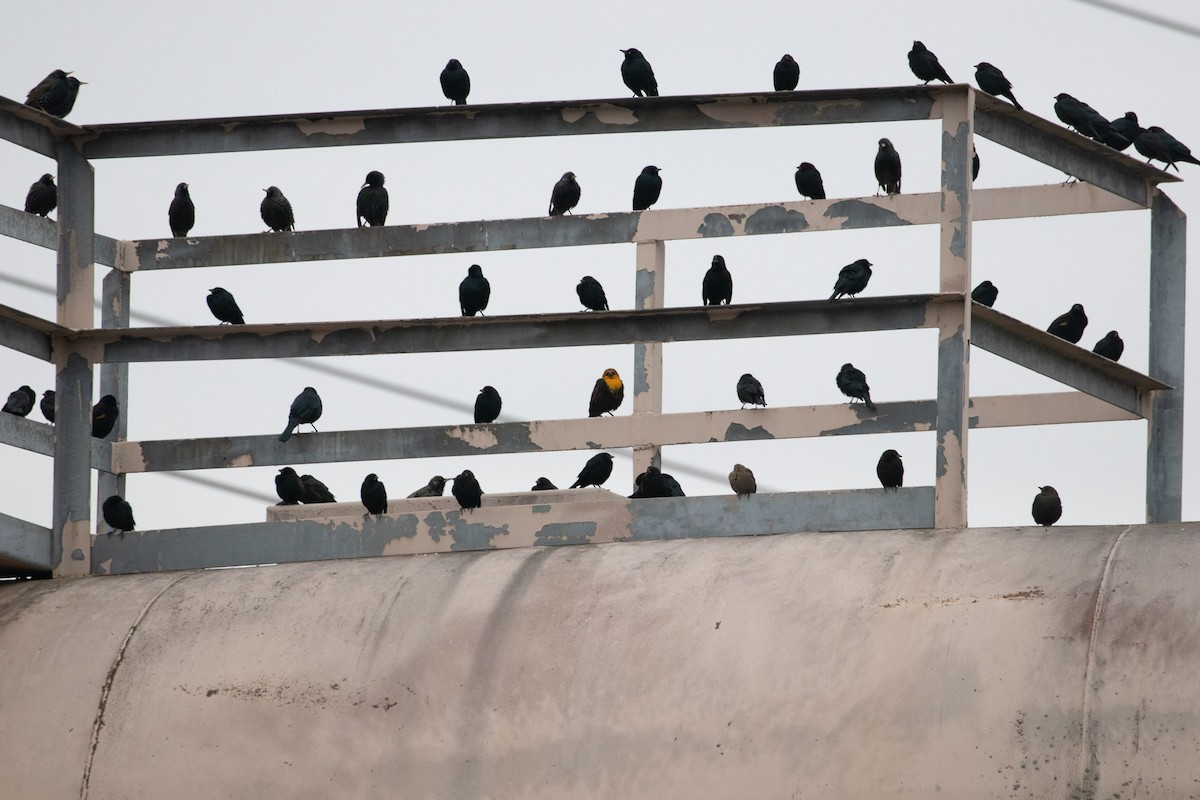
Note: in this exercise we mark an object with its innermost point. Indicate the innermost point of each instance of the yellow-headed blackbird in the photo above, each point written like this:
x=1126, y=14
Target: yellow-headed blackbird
x=607, y=394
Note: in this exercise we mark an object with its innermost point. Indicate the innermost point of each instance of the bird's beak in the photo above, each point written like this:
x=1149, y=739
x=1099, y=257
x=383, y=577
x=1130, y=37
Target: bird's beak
x=83, y=83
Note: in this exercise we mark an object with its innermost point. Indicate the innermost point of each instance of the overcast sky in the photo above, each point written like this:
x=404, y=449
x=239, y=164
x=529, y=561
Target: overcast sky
x=144, y=61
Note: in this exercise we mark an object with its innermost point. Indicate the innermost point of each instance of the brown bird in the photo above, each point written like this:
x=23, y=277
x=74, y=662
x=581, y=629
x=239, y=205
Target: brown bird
x=607, y=394
x=741, y=480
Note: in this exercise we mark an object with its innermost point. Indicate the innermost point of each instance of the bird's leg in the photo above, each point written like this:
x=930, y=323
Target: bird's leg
x=110, y=533
x=314, y=427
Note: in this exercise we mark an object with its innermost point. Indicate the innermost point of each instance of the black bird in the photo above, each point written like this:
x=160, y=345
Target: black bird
x=852, y=279
x=374, y=495
x=306, y=409
x=20, y=402
x=591, y=294
x=487, y=405
x=646, y=188
x=181, y=214
x=47, y=405
x=276, y=211
x=853, y=384
x=974, y=164
x=1075, y=114
x=607, y=394
x=985, y=294
x=565, y=195
x=543, y=485
x=887, y=167
x=749, y=390
x=456, y=83
x=653, y=483
x=638, y=74
x=372, y=202
x=992, y=81
x=118, y=514
x=1070, y=325
x=924, y=64
x=787, y=74
x=595, y=472
x=224, y=307
x=1158, y=145
x=1047, y=506
x=288, y=487
x=435, y=487
x=1127, y=128
x=890, y=470
x=55, y=94
x=474, y=292
x=466, y=490
x=809, y=183
x=313, y=491
x=1111, y=346
x=42, y=197
x=717, y=287
x=104, y=416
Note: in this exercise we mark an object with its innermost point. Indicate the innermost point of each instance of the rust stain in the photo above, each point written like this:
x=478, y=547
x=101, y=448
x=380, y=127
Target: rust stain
x=1027, y=594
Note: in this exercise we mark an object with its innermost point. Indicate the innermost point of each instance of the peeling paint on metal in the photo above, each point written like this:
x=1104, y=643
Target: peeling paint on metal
x=468, y=535
x=605, y=113
x=77, y=555
x=743, y=111
x=480, y=437
x=715, y=225
x=126, y=255
x=128, y=457
x=244, y=460
x=775, y=219
x=737, y=432
x=557, y=533
x=339, y=126
x=866, y=214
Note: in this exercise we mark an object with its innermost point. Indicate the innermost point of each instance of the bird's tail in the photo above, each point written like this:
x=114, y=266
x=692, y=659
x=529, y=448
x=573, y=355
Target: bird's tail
x=1190, y=159
x=287, y=432
x=833, y=296
x=1015, y=103
x=867, y=401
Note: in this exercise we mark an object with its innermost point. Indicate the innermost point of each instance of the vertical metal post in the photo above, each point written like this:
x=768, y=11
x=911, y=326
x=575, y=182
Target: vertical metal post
x=71, y=532
x=647, y=356
x=1168, y=279
x=114, y=378
x=954, y=320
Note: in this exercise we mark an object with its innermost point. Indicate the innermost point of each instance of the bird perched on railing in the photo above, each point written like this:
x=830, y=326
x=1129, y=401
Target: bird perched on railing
x=1047, y=506
x=646, y=188
x=288, y=487
x=42, y=197
x=1158, y=145
x=607, y=394
x=118, y=514
x=56, y=93
x=435, y=487
x=466, y=490
x=787, y=74
x=456, y=83
x=985, y=293
x=20, y=401
x=372, y=202
x=1127, y=128
x=1111, y=346
x=852, y=279
x=305, y=410
x=1070, y=325
x=487, y=405
x=887, y=167
x=474, y=292
x=276, y=210
x=565, y=195
x=638, y=74
x=181, y=214
x=543, y=485
x=992, y=81
x=314, y=491
x=853, y=384
x=595, y=472
x=591, y=294
x=224, y=307
x=656, y=483
x=809, y=183
x=104, y=416
x=890, y=470
x=925, y=65
x=717, y=286
x=374, y=495
x=749, y=390
x=741, y=480
x=47, y=405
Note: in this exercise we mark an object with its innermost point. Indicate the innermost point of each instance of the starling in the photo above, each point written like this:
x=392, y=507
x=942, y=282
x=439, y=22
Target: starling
x=985, y=294
x=118, y=514
x=42, y=197
x=372, y=203
x=924, y=64
x=104, y=416
x=1070, y=325
x=466, y=490
x=456, y=83
x=607, y=394
x=435, y=487
x=887, y=167
x=565, y=195
x=20, y=402
x=992, y=81
x=852, y=279
x=181, y=215
x=1111, y=346
x=741, y=480
x=55, y=94
x=1075, y=114
x=313, y=491
x=474, y=292
x=853, y=384
x=374, y=495
x=1047, y=507
x=787, y=74
x=306, y=409
x=809, y=183
x=595, y=472
x=1126, y=127
x=591, y=294
x=717, y=287
x=1158, y=145
x=487, y=405
x=638, y=74
x=224, y=307
x=288, y=487
x=646, y=188
x=543, y=485
x=276, y=211
x=890, y=470
x=749, y=390
x=47, y=405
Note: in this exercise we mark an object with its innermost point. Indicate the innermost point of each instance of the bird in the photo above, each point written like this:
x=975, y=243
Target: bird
x=47, y=405
x=890, y=470
x=224, y=307
x=651, y=484
x=466, y=490
x=487, y=405
x=638, y=74
x=852, y=279
x=288, y=487
x=474, y=292
x=1070, y=325
x=992, y=81
x=925, y=65
x=974, y=164
x=887, y=167
x=985, y=293
x=1111, y=346
x=749, y=390
x=1074, y=114
x=181, y=214
x=543, y=485
x=853, y=384
x=456, y=83
x=741, y=480
x=809, y=183
x=55, y=94
x=276, y=211
x=565, y=195
x=435, y=487
x=104, y=416
x=717, y=286
x=1158, y=145
x=646, y=188
x=1047, y=506
x=1127, y=128
x=595, y=472
x=20, y=402
x=372, y=202
x=374, y=495
x=591, y=294
x=305, y=410
x=42, y=197
x=787, y=74
x=118, y=514
x=607, y=394
x=313, y=491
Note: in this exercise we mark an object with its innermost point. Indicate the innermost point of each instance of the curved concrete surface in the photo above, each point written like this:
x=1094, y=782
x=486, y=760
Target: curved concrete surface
x=974, y=664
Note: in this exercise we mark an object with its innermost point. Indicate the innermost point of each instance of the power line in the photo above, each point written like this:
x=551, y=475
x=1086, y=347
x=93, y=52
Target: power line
x=1145, y=16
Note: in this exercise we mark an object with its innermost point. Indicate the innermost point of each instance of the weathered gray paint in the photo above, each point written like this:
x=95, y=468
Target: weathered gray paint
x=24, y=547
x=27, y=434
x=1168, y=292
x=32, y=129
x=43, y=232
x=114, y=379
x=647, y=377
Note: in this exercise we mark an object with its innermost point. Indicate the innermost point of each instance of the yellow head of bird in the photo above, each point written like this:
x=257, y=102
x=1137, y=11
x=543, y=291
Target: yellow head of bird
x=612, y=379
